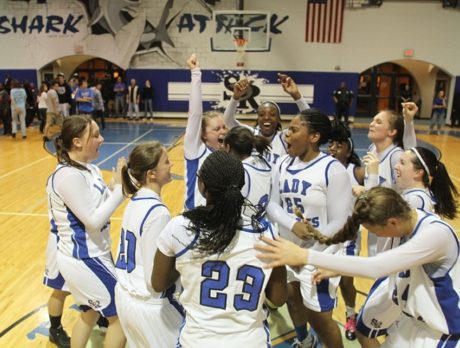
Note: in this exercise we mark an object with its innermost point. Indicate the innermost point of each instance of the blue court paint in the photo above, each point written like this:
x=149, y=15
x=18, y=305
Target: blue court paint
x=121, y=137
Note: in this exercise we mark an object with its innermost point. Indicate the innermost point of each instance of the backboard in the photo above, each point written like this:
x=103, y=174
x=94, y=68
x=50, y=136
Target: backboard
x=253, y=26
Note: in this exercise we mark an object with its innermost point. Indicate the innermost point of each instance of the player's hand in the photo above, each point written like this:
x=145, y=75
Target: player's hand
x=302, y=229
x=116, y=172
x=322, y=274
x=409, y=110
x=357, y=190
x=240, y=88
x=289, y=86
x=371, y=162
x=192, y=62
x=279, y=252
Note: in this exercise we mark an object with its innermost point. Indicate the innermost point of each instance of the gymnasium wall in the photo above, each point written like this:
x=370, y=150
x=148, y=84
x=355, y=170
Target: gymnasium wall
x=157, y=36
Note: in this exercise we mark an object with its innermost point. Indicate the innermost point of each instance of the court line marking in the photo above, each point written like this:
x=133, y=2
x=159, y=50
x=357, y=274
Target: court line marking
x=20, y=320
x=124, y=147
x=24, y=167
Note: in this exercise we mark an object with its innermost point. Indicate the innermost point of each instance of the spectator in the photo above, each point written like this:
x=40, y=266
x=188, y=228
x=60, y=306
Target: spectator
x=147, y=96
x=98, y=104
x=4, y=109
x=120, y=91
x=18, y=108
x=438, y=116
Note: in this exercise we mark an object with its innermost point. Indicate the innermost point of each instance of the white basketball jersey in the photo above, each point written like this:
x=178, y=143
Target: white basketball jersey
x=193, y=197
x=351, y=173
x=278, y=146
x=223, y=294
x=257, y=182
x=304, y=185
x=419, y=199
x=75, y=239
x=386, y=179
x=431, y=293
x=144, y=218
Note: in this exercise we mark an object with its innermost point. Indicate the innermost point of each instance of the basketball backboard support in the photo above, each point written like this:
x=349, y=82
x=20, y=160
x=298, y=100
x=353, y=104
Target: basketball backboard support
x=253, y=26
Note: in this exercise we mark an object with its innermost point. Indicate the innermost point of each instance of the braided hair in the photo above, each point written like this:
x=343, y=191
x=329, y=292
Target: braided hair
x=317, y=121
x=142, y=158
x=72, y=127
x=373, y=207
x=437, y=179
x=216, y=223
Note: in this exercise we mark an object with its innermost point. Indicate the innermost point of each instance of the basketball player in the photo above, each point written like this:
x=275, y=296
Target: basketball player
x=413, y=172
x=341, y=147
x=268, y=116
x=81, y=204
x=318, y=185
x=211, y=248
x=204, y=134
x=241, y=142
x=146, y=316
x=423, y=272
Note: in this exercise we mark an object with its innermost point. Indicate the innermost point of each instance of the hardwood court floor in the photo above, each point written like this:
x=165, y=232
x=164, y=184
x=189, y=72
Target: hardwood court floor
x=24, y=168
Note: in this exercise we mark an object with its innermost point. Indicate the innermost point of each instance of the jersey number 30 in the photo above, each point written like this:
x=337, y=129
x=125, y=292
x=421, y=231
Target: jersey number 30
x=212, y=288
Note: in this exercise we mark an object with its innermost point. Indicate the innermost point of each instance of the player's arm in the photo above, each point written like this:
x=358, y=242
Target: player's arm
x=192, y=138
x=419, y=250
x=153, y=225
x=164, y=273
x=290, y=87
x=74, y=191
x=338, y=199
x=276, y=290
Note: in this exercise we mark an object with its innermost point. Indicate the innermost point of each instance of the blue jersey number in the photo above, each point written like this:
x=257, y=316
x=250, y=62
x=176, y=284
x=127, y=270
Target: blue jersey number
x=127, y=257
x=212, y=287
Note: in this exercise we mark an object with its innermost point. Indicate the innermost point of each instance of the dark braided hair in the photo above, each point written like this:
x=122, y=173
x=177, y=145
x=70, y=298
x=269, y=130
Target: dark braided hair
x=317, y=121
x=142, y=158
x=242, y=141
x=441, y=185
x=373, y=207
x=72, y=127
x=216, y=223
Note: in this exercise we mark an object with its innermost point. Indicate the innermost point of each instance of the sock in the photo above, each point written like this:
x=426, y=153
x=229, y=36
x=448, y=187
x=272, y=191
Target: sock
x=301, y=332
x=55, y=321
x=350, y=311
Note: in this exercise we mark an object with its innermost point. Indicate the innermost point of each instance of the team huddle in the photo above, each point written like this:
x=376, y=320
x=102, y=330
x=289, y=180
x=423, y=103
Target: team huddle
x=269, y=218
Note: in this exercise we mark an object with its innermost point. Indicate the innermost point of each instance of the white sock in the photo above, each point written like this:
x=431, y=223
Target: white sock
x=350, y=311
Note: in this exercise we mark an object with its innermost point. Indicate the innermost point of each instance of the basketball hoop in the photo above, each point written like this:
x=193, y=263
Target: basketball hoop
x=240, y=44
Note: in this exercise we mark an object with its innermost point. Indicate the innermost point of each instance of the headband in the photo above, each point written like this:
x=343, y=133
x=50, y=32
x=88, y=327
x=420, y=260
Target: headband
x=414, y=150
x=271, y=103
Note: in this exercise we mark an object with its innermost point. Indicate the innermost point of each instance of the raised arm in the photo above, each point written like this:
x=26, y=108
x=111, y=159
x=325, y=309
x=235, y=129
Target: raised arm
x=409, y=111
x=192, y=138
x=239, y=89
x=290, y=87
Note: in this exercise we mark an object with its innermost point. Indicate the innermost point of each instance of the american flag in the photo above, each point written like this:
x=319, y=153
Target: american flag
x=324, y=21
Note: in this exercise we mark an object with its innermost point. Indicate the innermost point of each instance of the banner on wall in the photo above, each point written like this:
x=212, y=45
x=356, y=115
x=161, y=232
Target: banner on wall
x=324, y=21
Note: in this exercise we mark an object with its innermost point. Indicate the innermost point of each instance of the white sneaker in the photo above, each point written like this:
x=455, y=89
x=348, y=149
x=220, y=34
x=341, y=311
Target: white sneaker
x=309, y=342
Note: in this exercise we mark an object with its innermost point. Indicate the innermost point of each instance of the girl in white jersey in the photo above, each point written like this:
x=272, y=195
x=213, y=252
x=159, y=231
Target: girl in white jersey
x=425, y=185
x=211, y=248
x=424, y=272
x=241, y=142
x=341, y=147
x=204, y=134
x=147, y=317
x=81, y=204
x=268, y=116
x=318, y=185
x=389, y=133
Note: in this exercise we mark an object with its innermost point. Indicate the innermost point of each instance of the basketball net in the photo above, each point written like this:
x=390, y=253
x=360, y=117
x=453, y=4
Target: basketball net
x=240, y=44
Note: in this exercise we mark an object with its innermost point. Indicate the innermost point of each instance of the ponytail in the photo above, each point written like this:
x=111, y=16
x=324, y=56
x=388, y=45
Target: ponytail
x=445, y=192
